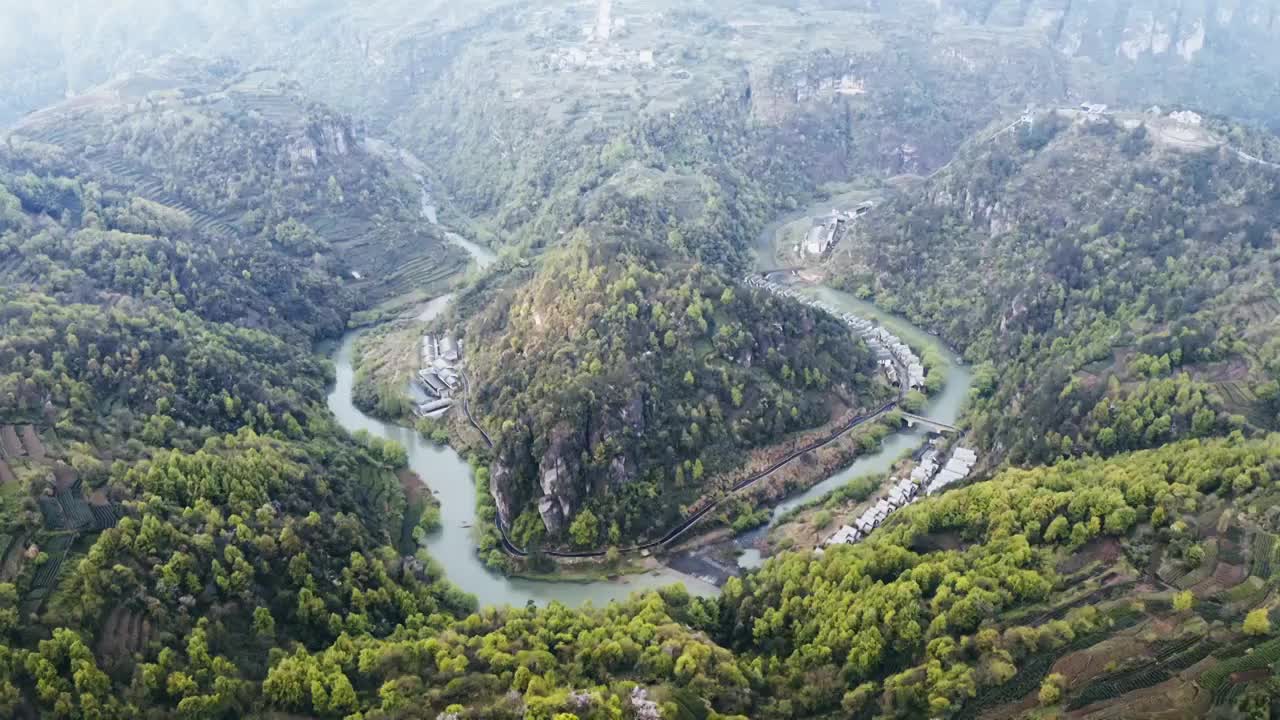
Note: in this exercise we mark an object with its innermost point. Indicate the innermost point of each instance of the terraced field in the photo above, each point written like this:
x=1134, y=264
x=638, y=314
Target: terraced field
x=1246, y=595
x=51, y=509
x=1264, y=655
x=1262, y=554
x=1226, y=696
x=1172, y=658
x=1033, y=670
x=56, y=547
x=120, y=173
x=31, y=443
x=126, y=175
x=11, y=560
x=1102, y=594
x=75, y=510
x=124, y=632
x=393, y=260
x=1261, y=311
x=274, y=107
x=10, y=446
x=59, y=134
x=1237, y=393
x=423, y=272
x=104, y=516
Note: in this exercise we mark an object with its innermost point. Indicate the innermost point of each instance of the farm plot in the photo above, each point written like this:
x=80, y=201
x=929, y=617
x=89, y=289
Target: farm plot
x=1201, y=573
x=75, y=509
x=56, y=548
x=64, y=476
x=10, y=446
x=51, y=509
x=104, y=516
x=124, y=633
x=31, y=442
x=1262, y=554
x=1173, y=657
x=1119, y=684
x=1035, y=668
x=1231, y=547
x=1227, y=695
x=1247, y=594
x=1182, y=661
x=423, y=272
x=1237, y=393
x=1102, y=594
x=1263, y=655
x=1228, y=576
x=1259, y=312
x=11, y=562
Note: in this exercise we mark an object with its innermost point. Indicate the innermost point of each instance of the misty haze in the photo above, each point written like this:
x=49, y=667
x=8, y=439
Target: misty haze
x=639, y=359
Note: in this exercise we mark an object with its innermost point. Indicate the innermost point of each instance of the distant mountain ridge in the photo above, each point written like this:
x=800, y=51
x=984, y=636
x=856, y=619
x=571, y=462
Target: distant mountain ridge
x=388, y=48
x=246, y=154
x=1104, y=264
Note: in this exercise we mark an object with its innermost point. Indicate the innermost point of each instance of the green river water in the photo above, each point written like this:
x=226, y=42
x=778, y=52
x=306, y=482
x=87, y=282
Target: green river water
x=449, y=476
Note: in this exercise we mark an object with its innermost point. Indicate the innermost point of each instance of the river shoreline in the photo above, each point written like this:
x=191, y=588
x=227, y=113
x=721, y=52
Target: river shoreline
x=450, y=478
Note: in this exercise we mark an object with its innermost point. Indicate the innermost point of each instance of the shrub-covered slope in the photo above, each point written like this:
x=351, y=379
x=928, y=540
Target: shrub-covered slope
x=990, y=585
x=246, y=164
x=621, y=379
x=231, y=562
x=1115, y=276
x=175, y=499
x=962, y=605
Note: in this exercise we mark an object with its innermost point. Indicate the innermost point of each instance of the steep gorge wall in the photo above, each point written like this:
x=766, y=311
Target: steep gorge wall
x=1127, y=29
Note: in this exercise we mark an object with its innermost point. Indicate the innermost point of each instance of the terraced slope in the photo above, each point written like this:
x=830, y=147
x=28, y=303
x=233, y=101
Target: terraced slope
x=239, y=155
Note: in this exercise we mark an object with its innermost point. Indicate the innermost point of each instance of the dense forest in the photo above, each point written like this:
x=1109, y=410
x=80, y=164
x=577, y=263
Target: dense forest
x=208, y=148
x=186, y=532
x=622, y=379
x=1116, y=299
x=177, y=499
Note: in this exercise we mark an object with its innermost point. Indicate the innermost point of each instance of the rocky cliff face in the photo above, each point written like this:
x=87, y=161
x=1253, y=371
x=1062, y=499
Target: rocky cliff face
x=1176, y=28
x=851, y=114
x=563, y=480
x=559, y=475
x=387, y=57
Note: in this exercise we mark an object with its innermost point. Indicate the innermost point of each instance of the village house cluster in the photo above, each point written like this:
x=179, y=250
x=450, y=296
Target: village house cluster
x=893, y=355
x=937, y=475
x=929, y=474
x=829, y=230
x=440, y=376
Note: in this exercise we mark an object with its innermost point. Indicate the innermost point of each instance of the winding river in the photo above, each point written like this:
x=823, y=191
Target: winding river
x=449, y=476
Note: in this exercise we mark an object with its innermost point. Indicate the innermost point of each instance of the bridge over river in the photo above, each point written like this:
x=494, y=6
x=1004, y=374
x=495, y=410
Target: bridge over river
x=942, y=427
x=453, y=547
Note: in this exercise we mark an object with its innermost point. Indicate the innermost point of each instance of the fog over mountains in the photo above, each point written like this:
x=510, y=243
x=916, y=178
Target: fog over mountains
x=372, y=54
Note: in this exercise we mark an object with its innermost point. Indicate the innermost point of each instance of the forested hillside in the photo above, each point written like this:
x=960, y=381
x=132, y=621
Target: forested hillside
x=210, y=151
x=623, y=378
x=1116, y=276
x=708, y=118
x=176, y=499
x=994, y=584
x=185, y=531
x=977, y=600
